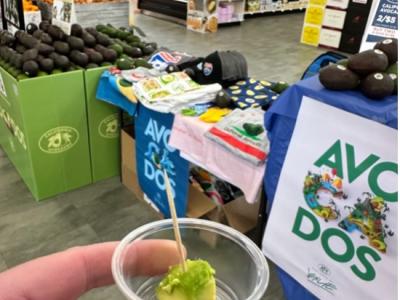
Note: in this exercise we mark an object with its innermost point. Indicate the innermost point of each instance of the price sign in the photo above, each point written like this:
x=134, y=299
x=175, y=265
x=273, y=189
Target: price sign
x=64, y=14
x=382, y=23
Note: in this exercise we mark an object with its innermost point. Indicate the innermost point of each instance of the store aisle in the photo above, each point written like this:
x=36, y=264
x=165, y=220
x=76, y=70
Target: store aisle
x=106, y=210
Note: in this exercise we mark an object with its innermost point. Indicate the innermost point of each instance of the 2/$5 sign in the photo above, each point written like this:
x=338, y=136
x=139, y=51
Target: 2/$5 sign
x=374, y=167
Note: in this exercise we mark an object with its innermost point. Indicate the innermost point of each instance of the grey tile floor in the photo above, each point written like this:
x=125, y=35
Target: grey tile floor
x=106, y=210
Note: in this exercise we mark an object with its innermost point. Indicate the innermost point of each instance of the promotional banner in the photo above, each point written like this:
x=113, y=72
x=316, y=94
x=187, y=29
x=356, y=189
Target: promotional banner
x=381, y=24
x=333, y=223
x=154, y=155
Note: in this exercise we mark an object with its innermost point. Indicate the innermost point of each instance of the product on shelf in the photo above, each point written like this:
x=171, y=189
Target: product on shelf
x=46, y=49
x=373, y=71
x=29, y=6
x=197, y=282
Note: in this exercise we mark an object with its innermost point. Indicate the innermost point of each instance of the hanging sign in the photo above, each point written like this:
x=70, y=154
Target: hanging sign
x=333, y=223
x=382, y=23
x=154, y=155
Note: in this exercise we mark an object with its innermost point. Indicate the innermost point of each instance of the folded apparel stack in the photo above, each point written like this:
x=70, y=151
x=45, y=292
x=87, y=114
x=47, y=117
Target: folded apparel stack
x=171, y=92
x=251, y=93
x=242, y=132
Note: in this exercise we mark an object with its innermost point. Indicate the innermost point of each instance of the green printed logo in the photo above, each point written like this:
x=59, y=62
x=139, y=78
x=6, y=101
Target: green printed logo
x=58, y=140
x=109, y=127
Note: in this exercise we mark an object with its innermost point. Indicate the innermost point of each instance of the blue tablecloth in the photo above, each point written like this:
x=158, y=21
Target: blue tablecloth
x=280, y=121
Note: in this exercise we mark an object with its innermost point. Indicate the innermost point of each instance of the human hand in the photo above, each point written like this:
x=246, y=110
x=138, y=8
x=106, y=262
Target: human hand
x=69, y=274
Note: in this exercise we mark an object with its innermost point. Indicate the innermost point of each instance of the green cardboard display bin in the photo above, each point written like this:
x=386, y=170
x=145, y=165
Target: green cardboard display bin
x=104, y=130
x=44, y=131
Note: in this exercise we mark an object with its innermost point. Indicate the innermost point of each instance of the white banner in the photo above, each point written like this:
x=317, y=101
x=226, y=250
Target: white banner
x=333, y=224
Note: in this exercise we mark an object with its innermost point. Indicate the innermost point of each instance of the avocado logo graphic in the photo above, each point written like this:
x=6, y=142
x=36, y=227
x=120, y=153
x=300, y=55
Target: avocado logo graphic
x=109, y=127
x=58, y=140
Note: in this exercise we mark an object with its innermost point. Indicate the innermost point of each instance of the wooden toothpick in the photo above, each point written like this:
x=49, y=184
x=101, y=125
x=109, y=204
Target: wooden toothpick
x=172, y=209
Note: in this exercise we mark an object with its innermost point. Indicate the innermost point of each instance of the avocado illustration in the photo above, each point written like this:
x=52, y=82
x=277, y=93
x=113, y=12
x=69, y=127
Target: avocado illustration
x=377, y=85
x=368, y=62
x=338, y=77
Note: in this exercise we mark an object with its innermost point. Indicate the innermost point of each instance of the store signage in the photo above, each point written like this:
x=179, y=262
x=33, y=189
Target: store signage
x=382, y=23
x=58, y=140
x=12, y=14
x=10, y=123
x=154, y=155
x=64, y=14
x=109, y=127
x=336, y=204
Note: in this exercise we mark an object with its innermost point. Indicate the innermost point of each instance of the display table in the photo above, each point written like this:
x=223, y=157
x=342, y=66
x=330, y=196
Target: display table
x=280, y=121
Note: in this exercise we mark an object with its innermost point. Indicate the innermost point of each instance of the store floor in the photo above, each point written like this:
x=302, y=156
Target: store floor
x=106, y=210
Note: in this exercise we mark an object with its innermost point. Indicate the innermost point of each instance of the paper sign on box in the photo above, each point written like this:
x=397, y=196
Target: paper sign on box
x=330, y=38
x=334, y=18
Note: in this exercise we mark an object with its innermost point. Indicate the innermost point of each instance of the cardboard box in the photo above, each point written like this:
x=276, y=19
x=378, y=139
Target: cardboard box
x=43, y=131
x=238, y=213
x=104, y=130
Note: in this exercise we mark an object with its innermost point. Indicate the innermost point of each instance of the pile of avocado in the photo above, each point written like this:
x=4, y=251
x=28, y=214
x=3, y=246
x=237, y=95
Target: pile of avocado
x=46, y=49
x=373, y=71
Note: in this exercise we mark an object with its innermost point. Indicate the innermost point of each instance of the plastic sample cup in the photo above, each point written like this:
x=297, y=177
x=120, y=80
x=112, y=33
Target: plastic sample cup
x=242, y=271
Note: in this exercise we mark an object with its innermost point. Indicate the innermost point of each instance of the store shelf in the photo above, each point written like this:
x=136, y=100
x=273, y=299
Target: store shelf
x=280, y=8
x=235, y=20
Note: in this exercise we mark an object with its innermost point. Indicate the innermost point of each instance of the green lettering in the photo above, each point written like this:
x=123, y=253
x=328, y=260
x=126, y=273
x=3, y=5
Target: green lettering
x=347, y=255
x=336, y=163
x=314, y=234
x=373, y=180
x=369, y=273
x=353, y=171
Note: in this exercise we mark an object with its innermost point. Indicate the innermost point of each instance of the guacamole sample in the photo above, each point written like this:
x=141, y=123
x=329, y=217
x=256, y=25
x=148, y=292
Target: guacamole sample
x=198, y=283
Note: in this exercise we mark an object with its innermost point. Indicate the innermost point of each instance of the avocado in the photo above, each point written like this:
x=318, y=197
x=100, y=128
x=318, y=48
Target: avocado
x=377, y=85
x=76, y=30
x=30, y=68
x=102, y=39
x=44, y=25
x=92, y=66
x=31, y=28
x=389, y=47
x=338, y=77
x=30, y=54
x=125, y=64
x=143, y=63
x=42, y=73
x=17, y=34
x=61, y=47
x=27, y=40
x=47, y=65
x=16, y=60
x=279, y=87
x=368, y=62
x=343, y=62
x=20, y=48
x=134, y=52
x=111, y=32
x=75, y=43
x=46, y=38
x=7, y=39
x=171, y=68
x=60, y=61
x=101, y=27
x=56, y=33
x=37, y=34
x=392, y=71
x=117, y=48
x=79, y=58
x=106, y=64
x=222, y=99
x=154, y=45
x=133, y=39
x=94, y=56
x=92, y=31
x=22, y=77
x=148, y=49
x=45, y=49
x=88, y=39
x=108, y=54
x=56, y=71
